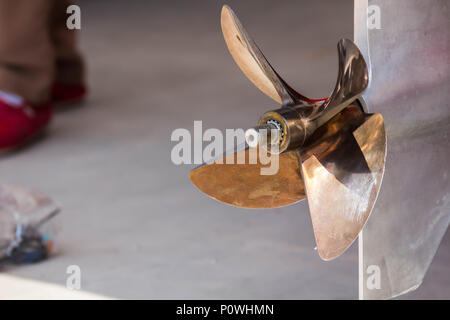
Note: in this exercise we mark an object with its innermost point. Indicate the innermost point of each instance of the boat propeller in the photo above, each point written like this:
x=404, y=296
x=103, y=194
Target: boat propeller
x=330, y=150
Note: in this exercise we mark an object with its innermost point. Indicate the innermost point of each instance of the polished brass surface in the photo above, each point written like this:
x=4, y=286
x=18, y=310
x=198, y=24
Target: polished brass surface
x=242, y=185
x=329, y=148
x=342, y=169
x=254, y=65
x=301, y=120
x=352, y=80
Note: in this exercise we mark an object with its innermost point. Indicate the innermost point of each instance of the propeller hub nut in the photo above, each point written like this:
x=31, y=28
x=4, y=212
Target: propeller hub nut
x=290, y=124
x=267, y=136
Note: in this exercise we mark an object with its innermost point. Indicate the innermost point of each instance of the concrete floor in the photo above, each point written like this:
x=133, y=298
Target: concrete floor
x=132, y=220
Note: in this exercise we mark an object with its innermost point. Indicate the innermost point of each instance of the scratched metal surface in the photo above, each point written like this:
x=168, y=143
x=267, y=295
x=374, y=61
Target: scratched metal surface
x=410, y=86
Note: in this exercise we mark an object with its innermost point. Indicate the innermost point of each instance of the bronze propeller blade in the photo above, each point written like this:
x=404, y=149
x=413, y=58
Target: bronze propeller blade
x=342, y=170
x=352, y=80
x=254, y=65
x=242, y=185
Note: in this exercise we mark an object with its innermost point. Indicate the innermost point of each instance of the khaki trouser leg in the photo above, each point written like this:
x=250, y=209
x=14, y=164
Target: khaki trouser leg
x=26, y=51
x=36, y=48
x=69, y=66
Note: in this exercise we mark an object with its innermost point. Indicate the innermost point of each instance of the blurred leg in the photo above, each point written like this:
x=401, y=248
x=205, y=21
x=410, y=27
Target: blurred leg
x=68, y=61
x=26, y=50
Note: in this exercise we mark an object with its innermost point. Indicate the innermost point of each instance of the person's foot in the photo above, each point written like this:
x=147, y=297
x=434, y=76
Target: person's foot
x=68, y=94
x=20, y=122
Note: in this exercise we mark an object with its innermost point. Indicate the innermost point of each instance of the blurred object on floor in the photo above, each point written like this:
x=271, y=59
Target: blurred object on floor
x=26, y=232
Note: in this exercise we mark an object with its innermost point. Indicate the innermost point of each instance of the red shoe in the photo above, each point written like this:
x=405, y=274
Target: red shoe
x=67, y=94
x=20, y=123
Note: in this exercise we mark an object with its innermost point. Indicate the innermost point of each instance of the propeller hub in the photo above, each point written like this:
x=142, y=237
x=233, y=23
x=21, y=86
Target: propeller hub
x=289, y=122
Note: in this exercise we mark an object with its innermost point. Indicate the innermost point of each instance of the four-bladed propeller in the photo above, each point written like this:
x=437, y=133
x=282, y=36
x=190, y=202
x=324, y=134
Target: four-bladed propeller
x=330, y=150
